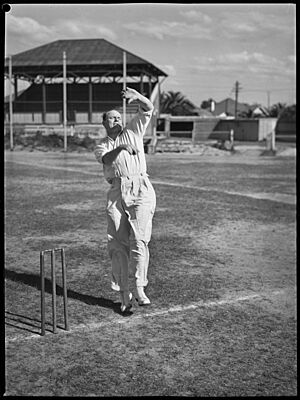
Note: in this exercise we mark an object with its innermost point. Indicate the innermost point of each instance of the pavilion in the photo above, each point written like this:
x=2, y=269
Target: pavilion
x=94, y=75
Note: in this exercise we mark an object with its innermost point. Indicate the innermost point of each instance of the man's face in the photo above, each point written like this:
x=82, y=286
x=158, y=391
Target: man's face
x=113, y=122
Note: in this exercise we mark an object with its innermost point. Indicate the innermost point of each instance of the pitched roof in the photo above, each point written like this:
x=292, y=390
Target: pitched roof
x=260, y=110
x=79, y=53
x=228, y=106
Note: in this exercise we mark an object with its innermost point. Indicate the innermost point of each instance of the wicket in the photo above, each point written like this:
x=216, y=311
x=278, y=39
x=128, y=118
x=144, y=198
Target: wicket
x=53, y=279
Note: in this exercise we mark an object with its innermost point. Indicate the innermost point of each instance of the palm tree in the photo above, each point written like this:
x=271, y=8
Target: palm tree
x=289, y=113
x=175, y=103
x=277, y=109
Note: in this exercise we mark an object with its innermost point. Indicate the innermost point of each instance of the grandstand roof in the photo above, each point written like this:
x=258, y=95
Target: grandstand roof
x=85, y=57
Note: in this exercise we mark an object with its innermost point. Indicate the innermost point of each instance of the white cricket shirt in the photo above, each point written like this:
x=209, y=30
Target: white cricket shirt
x=126, y=164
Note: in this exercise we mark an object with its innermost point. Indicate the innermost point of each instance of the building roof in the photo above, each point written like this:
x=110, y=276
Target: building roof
x=228, y=106
x=85, y=57
x=204, y=113
x=261, y=111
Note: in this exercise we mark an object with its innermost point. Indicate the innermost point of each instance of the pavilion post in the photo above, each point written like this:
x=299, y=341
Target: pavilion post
x=16, y=88
x=90, y=116
x=124, y=87
x=44, y=101
x=142, y=83
x=150, y=86
x=65, y=99
x=11, y=106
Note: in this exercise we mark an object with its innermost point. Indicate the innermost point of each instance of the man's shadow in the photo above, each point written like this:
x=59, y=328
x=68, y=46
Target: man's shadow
x=35, y=281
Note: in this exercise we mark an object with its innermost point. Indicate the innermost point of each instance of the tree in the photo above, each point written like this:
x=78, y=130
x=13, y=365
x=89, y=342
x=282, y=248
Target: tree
x=251, y=112
x=277, y=109
x=288, y=113
x=206, y=104
x=245, y=114
x=175, y=103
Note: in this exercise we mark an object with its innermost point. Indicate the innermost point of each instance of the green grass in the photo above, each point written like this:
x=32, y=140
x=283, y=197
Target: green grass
x=208, y=248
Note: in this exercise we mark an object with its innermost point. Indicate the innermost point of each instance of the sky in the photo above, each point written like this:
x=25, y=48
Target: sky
x=204, y=48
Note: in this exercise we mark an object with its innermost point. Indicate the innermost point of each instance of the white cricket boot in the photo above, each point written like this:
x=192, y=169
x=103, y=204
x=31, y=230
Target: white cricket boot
x=126, y=298
x=140, y=296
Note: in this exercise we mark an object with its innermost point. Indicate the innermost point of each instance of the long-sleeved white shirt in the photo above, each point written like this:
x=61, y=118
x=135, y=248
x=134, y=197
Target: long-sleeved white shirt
x=126, y=164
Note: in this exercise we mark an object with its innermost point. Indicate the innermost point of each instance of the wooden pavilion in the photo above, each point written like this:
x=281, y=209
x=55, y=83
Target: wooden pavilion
x=94, y=74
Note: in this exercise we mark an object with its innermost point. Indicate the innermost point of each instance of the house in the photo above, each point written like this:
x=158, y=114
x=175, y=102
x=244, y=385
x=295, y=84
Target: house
x=260, y=111
x=227, y=106
x=201, y=112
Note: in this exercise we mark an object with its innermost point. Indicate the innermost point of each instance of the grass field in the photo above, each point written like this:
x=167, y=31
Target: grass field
x=222, y=280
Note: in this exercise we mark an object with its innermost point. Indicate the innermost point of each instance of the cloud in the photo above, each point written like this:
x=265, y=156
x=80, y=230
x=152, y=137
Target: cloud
x=163, y=29
x=169, y=84
x=194, y=24
x=242, y=27
x=27, y=27
x=196, y=16
x=27, y=30
x=254, y=63
x=292, y=59
x=81, y=29
x=168, y=69
x=234, y=24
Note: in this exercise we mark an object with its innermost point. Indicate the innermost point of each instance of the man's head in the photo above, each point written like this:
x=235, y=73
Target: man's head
x=112, y=122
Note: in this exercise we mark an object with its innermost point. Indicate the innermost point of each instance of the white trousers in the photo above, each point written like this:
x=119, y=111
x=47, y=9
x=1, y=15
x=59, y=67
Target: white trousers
x=130, y=208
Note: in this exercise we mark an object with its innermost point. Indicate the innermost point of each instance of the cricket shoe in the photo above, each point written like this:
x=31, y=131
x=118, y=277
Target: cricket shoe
x=140, y=297
x=126, y=301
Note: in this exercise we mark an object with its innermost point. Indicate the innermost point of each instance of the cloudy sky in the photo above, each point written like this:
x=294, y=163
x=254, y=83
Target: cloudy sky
x=204, y=48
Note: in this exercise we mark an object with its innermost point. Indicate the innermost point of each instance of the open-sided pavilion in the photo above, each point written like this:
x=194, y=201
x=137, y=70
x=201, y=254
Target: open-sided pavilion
x=94, y=73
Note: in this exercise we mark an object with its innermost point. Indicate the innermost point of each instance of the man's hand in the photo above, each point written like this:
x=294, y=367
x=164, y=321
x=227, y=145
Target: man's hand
x=130, y=94
x=134, y=95
x=130, y=148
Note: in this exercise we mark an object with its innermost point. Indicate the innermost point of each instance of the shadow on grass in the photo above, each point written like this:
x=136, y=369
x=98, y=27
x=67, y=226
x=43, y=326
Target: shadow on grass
x=35, y=281
x=18, y=321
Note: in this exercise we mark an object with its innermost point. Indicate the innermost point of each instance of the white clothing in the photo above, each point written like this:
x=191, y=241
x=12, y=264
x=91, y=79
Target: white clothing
x=131, y=204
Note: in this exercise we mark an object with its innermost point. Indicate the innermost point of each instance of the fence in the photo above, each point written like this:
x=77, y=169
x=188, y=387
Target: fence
x=220, y=136
x=286, y=131
x=57, y=117
x=25, y=118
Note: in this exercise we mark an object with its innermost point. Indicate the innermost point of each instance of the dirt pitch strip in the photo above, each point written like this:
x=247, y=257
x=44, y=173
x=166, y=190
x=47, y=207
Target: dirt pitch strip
x=222, y=280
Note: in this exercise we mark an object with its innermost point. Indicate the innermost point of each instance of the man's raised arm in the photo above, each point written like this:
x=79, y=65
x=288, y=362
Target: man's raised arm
x=134, y=95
